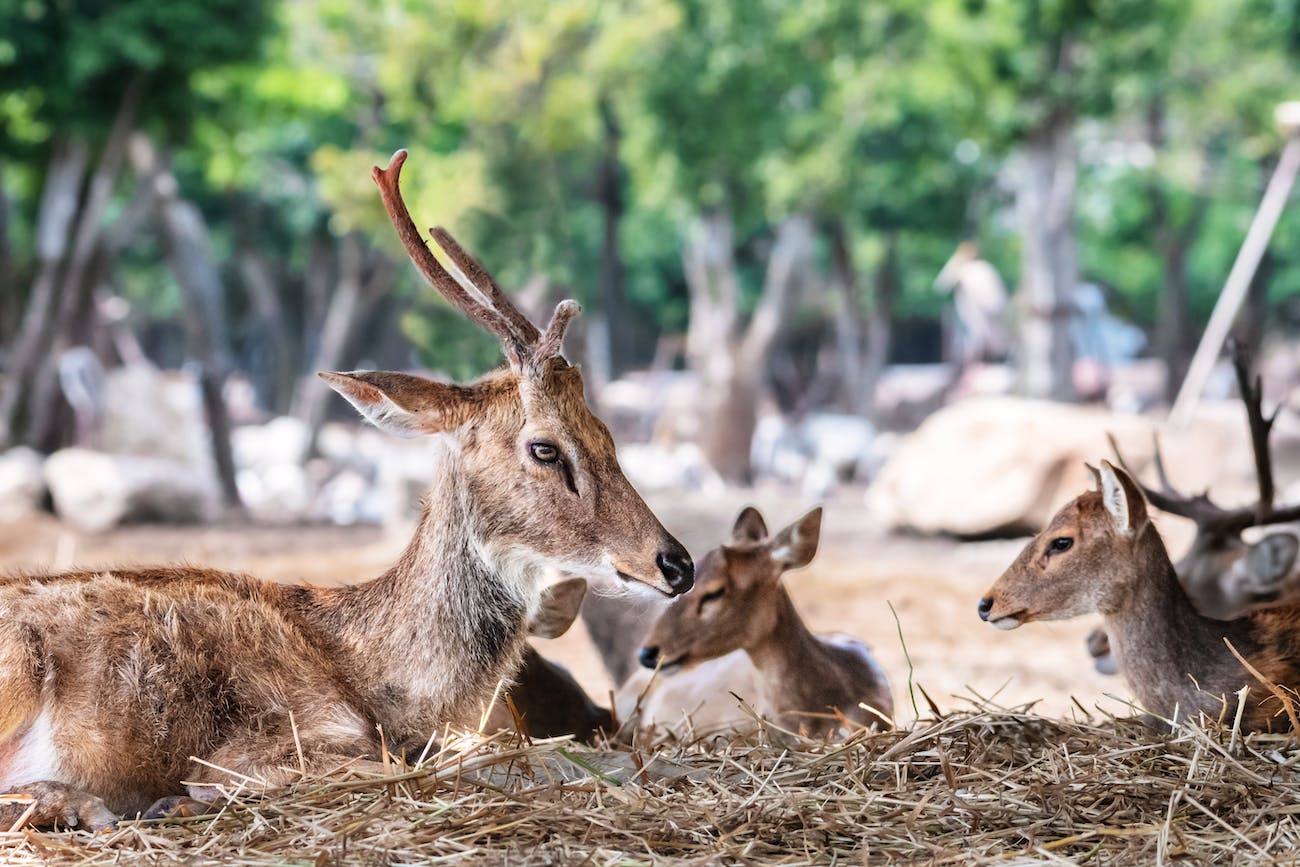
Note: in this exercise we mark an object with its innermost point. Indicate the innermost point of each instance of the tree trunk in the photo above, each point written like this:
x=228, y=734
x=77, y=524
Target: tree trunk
x=354, y=290
x=1049, y=266
x=277, y=338
x=8, y=291
x=880, y=323
x=731, y=369
x=849, y=324
x=610, y=276
x=190, y=260
x=58, y=209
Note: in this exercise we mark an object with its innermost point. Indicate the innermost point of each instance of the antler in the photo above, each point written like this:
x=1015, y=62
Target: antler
x=1252, y=395
x=468, y=286
x=1209, y=517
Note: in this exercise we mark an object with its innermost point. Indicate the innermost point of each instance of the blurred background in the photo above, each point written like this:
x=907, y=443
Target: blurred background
x=912, y=258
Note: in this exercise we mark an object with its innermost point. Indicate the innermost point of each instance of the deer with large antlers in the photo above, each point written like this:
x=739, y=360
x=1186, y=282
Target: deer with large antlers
x=1225, y=575
x=1101, y=553
x=120, y=688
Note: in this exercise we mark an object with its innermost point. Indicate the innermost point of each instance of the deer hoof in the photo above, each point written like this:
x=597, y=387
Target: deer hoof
x=57, y=805
x=177, y=807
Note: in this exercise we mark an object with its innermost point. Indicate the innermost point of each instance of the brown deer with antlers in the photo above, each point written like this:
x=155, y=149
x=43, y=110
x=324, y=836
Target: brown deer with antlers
x=112, y=680
x=1102, y=553
x=1224, y=575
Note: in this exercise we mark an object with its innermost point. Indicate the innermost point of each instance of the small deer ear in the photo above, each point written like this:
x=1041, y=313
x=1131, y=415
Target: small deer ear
x=400, y=403
x=1123, y=499
x=796, y=545
x=558, y=608
x=1095, y=473
x=750, y=526
x=1272, y=558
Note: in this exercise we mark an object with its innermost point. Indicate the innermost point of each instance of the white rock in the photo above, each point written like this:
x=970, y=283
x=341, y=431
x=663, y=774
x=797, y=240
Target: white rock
x=995, y=464
x=94, y=491
x=153, y=413
x=281, y=441
x=22, y=483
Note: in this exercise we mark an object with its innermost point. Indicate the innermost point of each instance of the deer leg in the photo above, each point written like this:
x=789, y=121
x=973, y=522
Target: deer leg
x=267, y=760
x=51, y=804
x=1103, y=659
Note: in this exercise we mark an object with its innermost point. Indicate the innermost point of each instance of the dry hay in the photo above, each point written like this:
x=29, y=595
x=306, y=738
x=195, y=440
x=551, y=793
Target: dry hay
x=988, y=785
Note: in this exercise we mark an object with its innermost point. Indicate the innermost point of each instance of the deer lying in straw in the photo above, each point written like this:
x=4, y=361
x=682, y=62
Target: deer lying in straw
x=816, y=685
x=1102, y=553
x=113, y=680
x=1224, y=575
x=547, y=699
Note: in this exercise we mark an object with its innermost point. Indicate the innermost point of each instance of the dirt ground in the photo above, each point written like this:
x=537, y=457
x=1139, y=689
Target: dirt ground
x=932, y=584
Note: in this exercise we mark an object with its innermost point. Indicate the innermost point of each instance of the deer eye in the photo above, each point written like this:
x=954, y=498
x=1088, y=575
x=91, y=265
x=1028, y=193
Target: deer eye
x=1060, y=544
x=543, y=453
x=712, y=594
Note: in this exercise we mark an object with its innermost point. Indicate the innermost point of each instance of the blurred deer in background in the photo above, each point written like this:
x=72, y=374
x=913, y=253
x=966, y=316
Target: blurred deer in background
x=550, y=703
x=816, y=685
x=113, y=680
x=1102, y=553
x=1224, y=575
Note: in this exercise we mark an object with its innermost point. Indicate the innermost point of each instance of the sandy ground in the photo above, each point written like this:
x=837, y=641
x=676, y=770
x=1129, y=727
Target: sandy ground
x=932, y=584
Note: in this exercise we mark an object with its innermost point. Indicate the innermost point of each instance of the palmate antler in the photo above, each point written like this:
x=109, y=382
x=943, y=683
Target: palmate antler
x=1210, y=518
x=469, y=286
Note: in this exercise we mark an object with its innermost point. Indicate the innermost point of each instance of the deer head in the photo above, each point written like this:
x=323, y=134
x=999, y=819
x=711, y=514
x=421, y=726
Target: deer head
x=735, y=605
x=543, y=487
x=1087, y=559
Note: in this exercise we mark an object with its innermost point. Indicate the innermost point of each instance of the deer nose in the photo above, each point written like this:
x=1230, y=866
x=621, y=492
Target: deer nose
x=986, y=607
x=649, y=656
x=677, y=568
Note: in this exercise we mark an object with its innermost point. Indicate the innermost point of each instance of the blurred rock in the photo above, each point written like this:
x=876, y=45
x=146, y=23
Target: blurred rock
x=22, y=483
x=276, y=494
x=154, y=413
x=996, y=465
x=819, y=451
x=680, y=467
x=282, y=440
x=94, y=491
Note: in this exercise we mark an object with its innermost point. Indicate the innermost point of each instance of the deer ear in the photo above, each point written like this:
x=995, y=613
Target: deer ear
x=1095, y=473
x=796, y=545
x=558, y=608
x=400, y=403
x=750, y=526
x=1123, y=499
x=1272, y=558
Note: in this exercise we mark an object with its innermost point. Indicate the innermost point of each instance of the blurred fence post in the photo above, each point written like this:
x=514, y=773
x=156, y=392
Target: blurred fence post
x=1243, y=269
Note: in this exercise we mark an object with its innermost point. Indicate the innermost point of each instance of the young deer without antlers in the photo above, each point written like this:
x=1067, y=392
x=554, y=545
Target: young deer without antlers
x=808, y=683
x=1224, y=575
x=112, y=680
x=1102, y=553
x=550, y=703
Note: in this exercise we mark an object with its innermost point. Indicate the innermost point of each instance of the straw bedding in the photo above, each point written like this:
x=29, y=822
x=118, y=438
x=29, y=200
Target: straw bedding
x=979, y=786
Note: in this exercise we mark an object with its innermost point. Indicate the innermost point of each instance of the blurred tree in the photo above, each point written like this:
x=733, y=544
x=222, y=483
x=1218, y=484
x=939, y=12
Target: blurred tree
x=80, y=79
x=1034, y=70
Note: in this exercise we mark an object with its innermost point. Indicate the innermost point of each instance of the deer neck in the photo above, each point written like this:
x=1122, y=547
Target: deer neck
x=795, y=669
x=429, y=640
x=1163, y=643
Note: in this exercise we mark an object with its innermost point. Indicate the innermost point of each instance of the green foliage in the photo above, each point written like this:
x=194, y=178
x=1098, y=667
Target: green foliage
x=891, y=119
x=64, y=64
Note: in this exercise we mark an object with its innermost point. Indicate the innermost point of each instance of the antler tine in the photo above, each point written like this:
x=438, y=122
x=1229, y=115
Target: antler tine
x=1208, y=516
x=1261, y=427
x=480, y=278
x=552, y=341
x=388, y=182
